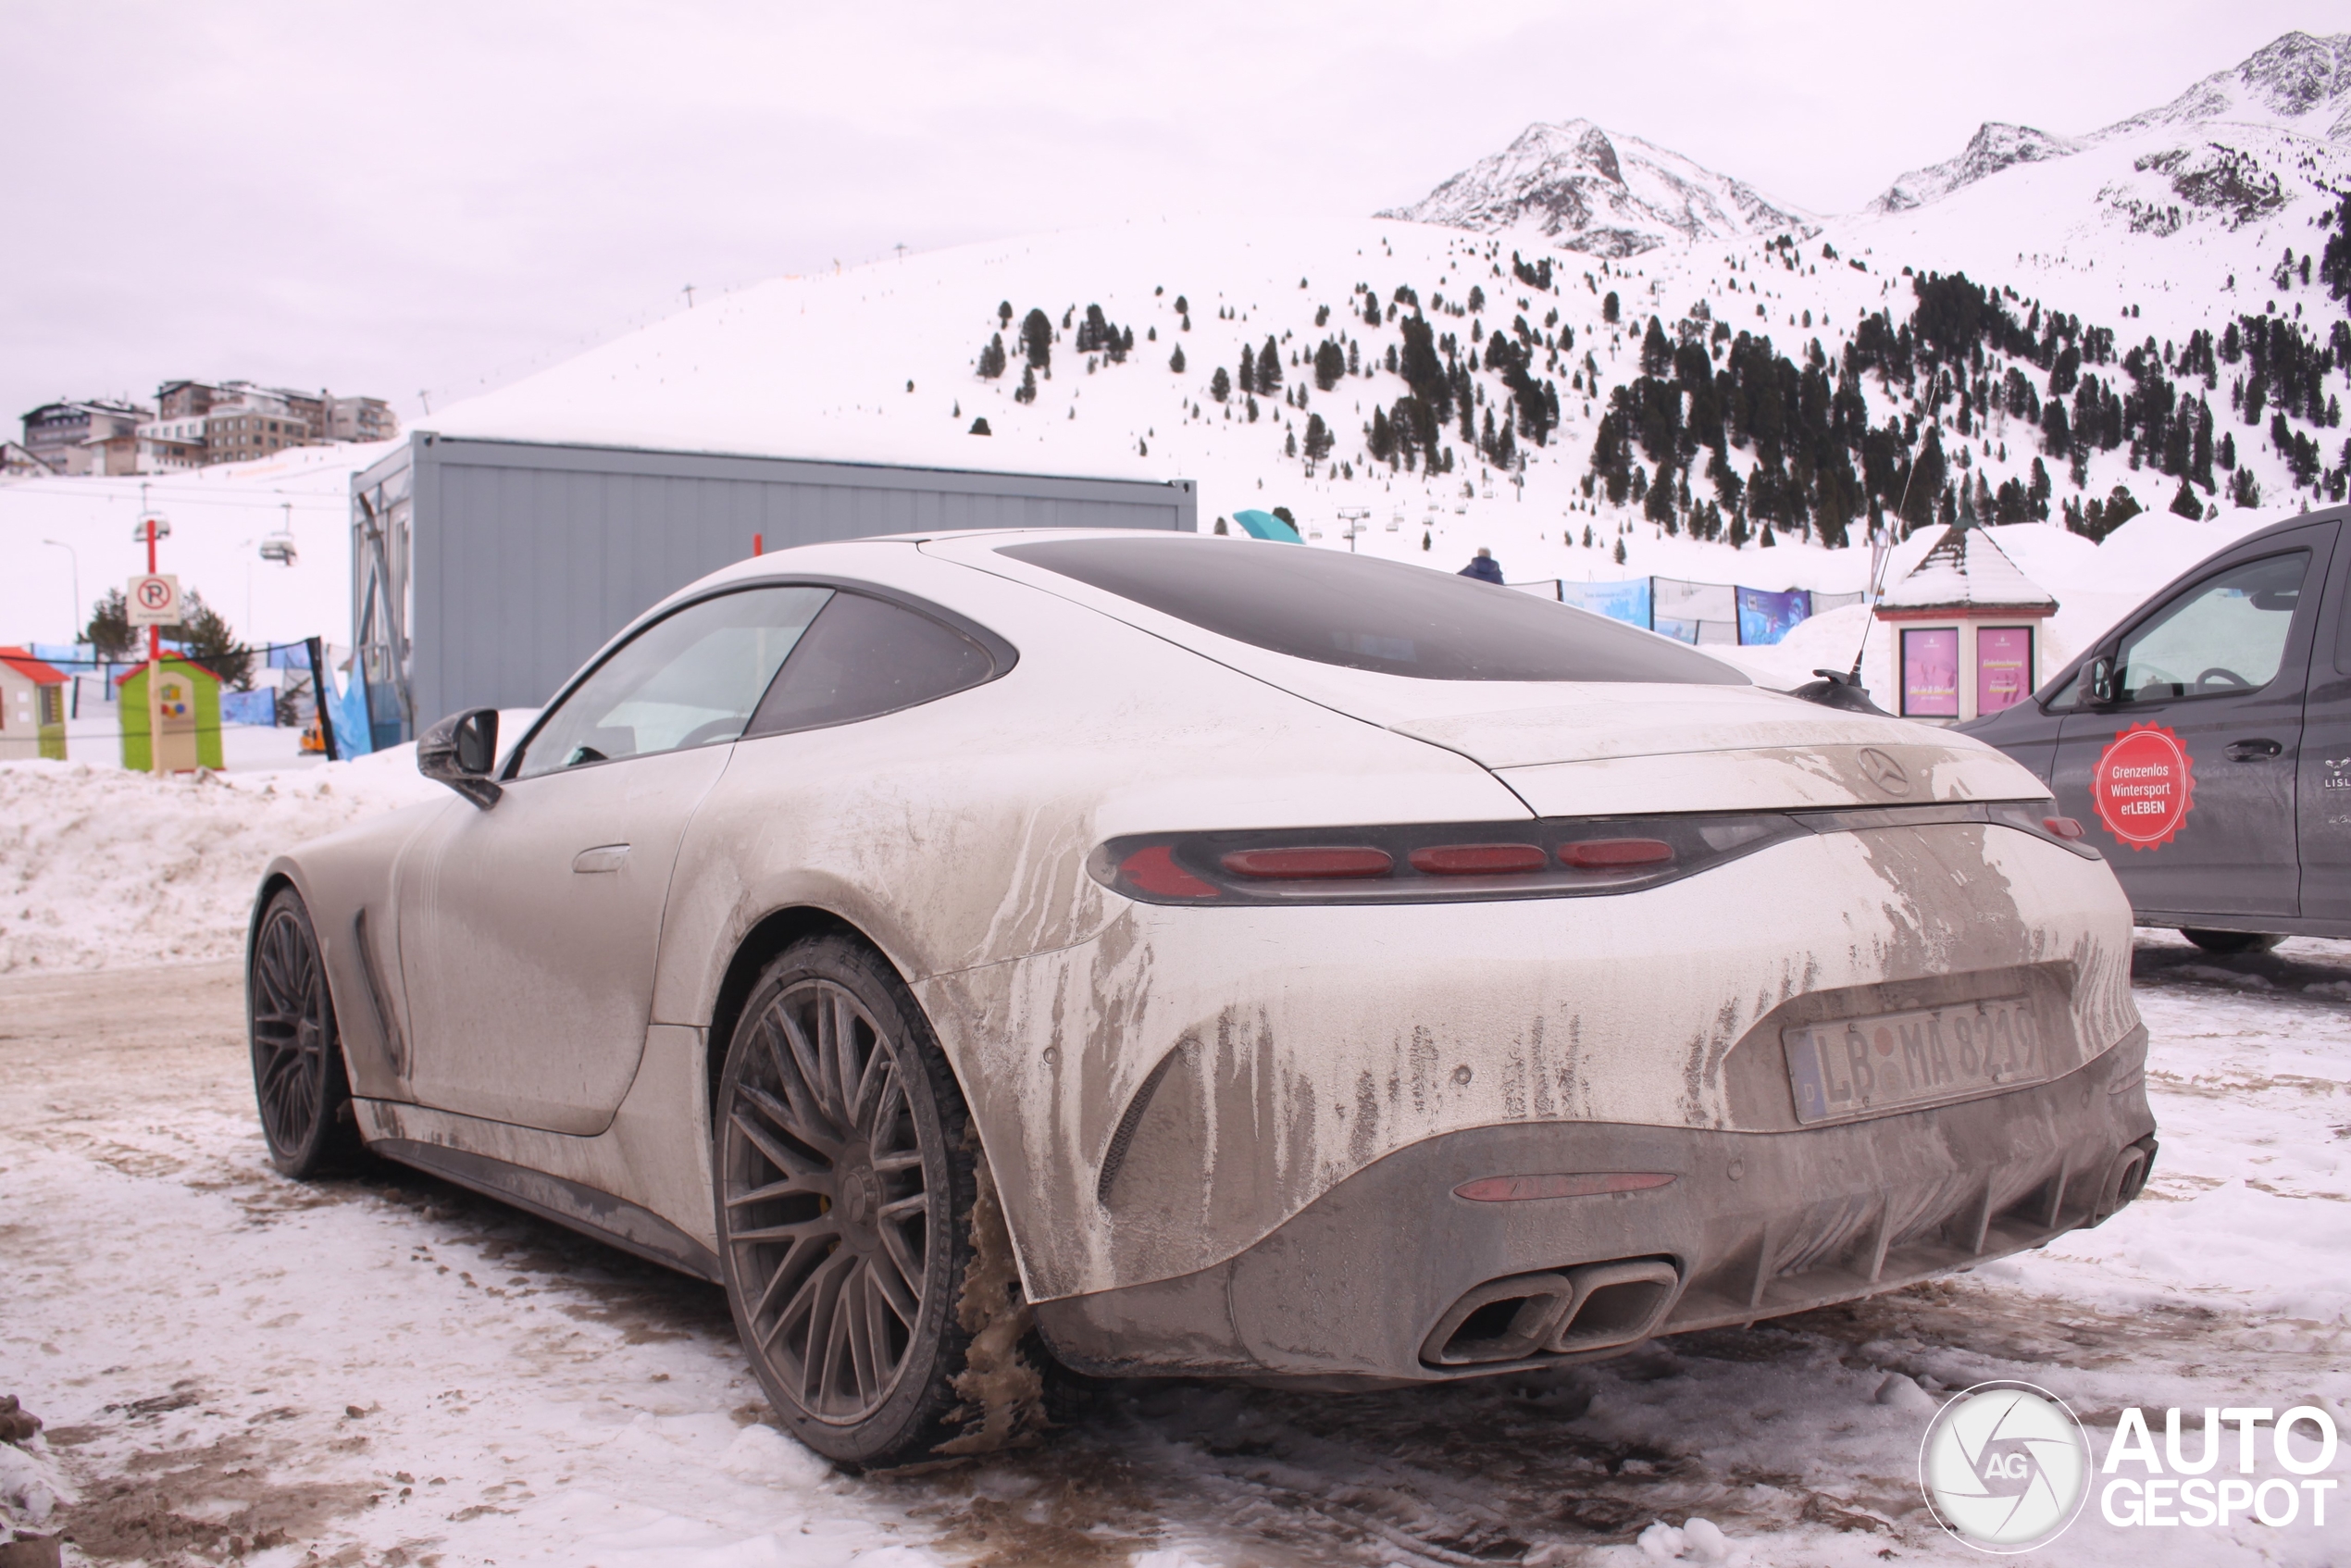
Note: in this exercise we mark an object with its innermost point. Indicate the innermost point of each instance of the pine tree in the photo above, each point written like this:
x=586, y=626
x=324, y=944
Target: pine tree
x=1318, y=438
x=980, y=427
x=1027, y=390
x=1004, y=313
x=1037, y=338
x=204, y=636
x=2186, y=503
x=1289, y=444
x=991, y=358
x=1246, y=378
x=1610, y=308
x=1220, y=385
x=1330, y=364
x=1370, y=310
x=1620, y=552
x=1175, y=361
x=110, y=633
x=1269, y=365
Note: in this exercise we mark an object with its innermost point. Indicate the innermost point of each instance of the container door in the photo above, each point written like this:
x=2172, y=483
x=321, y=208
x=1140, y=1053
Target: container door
x=2183, y=767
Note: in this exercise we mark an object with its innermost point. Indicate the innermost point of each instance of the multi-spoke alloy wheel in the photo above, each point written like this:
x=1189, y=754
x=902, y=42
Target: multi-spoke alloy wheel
x=297, y=1060
x=845, y=1202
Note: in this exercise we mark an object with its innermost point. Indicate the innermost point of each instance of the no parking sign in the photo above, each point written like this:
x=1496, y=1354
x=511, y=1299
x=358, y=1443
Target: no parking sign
x=2142, y=786
x=152, y=599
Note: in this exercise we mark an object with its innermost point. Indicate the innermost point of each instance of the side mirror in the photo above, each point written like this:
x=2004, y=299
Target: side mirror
x=460, y=752
x=2097, y=680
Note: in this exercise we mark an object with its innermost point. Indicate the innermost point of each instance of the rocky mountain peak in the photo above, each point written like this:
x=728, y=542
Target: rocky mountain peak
x=1995, y=146
x=1599, y=192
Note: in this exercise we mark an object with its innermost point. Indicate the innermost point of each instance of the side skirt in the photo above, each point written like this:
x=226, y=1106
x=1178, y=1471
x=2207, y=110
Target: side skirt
x=615, y=1220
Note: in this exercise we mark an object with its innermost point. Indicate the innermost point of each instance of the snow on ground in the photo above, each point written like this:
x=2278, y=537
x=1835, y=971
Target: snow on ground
x=100, y=867
x=385, y=1370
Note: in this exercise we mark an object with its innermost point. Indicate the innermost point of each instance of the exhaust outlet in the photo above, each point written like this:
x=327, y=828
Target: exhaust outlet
x=1614, y=1304
x=2126, y=1180
x=1501, y=1320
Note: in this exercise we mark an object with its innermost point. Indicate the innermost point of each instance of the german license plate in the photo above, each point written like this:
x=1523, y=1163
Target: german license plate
x=1858, y=1066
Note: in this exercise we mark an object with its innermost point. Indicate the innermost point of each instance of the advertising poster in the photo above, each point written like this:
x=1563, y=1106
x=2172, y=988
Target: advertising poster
x=1931, y=672
x=1765, y=618
x=2003, y=667
x=1627, y=600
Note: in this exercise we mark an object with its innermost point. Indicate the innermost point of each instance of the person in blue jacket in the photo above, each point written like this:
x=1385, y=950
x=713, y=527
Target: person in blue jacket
x=1484, y=568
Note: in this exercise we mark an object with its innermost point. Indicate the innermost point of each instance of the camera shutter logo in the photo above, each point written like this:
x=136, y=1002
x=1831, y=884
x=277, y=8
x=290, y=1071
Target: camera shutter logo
x=2004, y=1467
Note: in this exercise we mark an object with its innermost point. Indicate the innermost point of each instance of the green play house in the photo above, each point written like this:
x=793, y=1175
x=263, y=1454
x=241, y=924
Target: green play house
x=190, y=698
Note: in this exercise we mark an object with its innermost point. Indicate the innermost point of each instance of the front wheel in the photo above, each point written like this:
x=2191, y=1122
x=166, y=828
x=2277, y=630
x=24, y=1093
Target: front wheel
x=2227, y=942
x=298, y=1076
x=847, y=1177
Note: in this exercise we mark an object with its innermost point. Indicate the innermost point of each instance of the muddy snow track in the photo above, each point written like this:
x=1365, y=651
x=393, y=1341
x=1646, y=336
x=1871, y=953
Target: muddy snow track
x=388, y=1370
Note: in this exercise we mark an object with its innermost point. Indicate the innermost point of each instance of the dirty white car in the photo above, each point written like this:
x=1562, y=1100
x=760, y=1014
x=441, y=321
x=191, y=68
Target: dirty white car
x=1228, y=958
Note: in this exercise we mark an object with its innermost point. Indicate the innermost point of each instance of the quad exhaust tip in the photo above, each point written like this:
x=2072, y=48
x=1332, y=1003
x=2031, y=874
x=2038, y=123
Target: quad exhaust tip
x=1564, y=1312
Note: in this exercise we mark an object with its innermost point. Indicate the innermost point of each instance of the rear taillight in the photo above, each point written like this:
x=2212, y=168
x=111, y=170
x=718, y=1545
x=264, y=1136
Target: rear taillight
x=1309, y=865
x=1476, y=860
x=1431, y=862
x=1597, y=853
x=2063, y=826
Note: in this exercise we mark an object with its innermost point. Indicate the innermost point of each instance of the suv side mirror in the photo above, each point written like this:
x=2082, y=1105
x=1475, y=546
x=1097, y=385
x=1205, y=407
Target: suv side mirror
x=460, y=752
x=2097, y=680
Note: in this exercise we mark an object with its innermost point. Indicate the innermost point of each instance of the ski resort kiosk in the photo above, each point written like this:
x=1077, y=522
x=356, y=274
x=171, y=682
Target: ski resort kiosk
x=33, y=707
x=1966, y=624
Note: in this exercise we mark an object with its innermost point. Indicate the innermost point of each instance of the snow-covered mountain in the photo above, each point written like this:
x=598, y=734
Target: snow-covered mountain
x=1602, y=193
x=1995, y=146
x=2297, y=84
x=1673, y=376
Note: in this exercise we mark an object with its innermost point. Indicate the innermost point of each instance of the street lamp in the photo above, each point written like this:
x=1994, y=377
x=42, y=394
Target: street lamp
x=75, y=557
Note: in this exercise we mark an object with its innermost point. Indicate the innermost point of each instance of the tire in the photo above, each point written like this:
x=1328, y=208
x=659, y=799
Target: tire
x=2226, y=942
x=846, y=1178
x=299, y=1083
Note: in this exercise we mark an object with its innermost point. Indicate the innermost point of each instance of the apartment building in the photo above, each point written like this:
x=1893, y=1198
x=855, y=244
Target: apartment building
x=93, y=437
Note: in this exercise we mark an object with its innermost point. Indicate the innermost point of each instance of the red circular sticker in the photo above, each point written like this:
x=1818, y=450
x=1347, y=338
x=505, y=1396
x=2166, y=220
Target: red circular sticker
x=2142, y=786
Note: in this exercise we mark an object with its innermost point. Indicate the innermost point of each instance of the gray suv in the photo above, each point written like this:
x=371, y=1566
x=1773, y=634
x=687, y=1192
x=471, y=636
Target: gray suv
x=2205, y=742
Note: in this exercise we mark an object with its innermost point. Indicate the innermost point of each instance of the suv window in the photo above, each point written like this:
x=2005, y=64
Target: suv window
x=691, y=678
x=2226, y=634
x=864, y=657
x=1365, y=614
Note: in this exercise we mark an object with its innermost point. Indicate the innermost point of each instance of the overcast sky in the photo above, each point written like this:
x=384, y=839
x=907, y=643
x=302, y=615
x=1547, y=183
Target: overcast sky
x=386, y=198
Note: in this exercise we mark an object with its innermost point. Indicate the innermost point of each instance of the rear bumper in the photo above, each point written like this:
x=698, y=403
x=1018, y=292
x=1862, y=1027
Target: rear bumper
x=1753, y=1225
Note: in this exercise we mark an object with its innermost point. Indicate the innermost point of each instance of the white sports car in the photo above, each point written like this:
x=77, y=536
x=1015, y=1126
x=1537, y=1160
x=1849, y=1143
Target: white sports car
x=1208, y=957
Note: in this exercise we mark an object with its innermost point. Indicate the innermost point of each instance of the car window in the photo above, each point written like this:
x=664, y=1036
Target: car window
x=2226, y=634
x=865, y=656
x=691, y=678
x=1365, y=614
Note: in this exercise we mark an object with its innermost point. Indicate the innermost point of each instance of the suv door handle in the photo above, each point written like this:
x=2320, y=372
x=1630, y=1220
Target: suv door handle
x=2253, y=751
x=603, y=857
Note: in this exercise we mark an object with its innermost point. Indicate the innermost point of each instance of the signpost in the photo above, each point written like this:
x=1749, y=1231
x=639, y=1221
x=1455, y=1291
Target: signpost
x=153, y=601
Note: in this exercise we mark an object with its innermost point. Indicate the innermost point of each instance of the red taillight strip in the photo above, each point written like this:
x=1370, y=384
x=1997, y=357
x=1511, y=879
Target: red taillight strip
x=1608, y=853
x=1589, y=1184
x=1153, y=869
x=1310, y=863
x=1478, y=860
x=2063, y=826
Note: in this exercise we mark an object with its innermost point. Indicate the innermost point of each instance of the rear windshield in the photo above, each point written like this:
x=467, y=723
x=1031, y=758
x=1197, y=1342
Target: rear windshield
x=1363, y=614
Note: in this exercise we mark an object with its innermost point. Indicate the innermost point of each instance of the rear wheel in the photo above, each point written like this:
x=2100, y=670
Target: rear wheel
x=846, y=1183
x=298, y=1078
x=2226, y=942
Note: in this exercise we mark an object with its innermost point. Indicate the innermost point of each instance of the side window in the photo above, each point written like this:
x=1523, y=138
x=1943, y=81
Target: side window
x=2226, y=634
x=867, y=656
x=691, y=678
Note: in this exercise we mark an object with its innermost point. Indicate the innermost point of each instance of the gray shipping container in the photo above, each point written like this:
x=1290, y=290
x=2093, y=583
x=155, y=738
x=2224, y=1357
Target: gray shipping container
x=484, y=572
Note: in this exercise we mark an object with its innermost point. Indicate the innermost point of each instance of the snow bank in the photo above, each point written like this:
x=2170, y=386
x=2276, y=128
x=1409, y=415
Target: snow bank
x=100, y=867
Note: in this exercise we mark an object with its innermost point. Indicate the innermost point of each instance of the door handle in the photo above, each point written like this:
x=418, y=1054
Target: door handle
x=603, y=857
x=2253, y=751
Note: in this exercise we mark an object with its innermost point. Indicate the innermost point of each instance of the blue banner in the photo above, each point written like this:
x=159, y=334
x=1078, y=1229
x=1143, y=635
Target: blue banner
x=1765, y=617
x=1627, y=600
